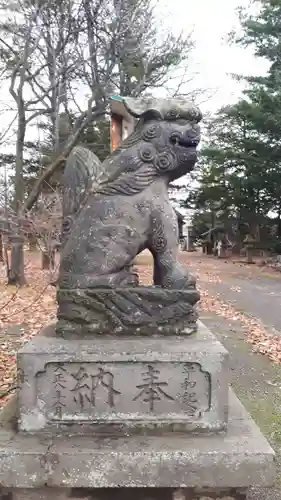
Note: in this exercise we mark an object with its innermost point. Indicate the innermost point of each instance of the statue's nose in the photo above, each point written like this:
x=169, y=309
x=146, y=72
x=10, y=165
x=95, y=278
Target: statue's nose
x=191, y=141
x=192, y=137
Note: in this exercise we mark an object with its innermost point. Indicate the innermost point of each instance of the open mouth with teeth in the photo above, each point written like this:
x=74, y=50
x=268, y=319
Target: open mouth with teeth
x=184, y=143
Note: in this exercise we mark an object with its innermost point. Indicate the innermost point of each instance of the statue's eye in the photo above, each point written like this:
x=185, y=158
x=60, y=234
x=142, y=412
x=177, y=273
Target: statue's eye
x=183, y=123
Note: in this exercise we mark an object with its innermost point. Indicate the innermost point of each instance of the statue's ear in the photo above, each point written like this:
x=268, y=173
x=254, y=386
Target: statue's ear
x=143, y=107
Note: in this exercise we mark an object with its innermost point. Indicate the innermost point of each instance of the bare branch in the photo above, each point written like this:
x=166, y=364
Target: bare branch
x=82, y=122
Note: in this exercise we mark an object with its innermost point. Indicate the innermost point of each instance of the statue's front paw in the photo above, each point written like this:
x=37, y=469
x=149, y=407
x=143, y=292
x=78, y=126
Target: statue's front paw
x=126, y=277
x=179, y=280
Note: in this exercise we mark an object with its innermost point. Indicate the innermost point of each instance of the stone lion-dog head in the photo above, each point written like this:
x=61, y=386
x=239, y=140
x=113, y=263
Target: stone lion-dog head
x=163, y=144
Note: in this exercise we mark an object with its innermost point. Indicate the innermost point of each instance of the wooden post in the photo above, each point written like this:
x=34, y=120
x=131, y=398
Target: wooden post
x=122, y=123
x=115, y=131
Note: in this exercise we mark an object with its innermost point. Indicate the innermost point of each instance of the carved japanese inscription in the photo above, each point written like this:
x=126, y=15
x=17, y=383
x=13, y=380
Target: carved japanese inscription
x=100, y=391
x=152, y=389
x=190, y=395
x=59, y=386
x=87, y=384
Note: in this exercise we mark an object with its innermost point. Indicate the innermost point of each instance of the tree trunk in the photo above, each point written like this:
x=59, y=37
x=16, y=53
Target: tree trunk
x=32, y=242
x=16, y=275
x=48, y=260
x=279, y=222
x=209, y=248
x=1, y=248
x=249, y=256
x=16, y=272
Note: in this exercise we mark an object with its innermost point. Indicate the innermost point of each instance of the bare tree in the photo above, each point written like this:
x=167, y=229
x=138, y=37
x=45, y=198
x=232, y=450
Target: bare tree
x=45, y=222
x=50, y=50
x=21, y=54
x=36, y=82
x=117, y=50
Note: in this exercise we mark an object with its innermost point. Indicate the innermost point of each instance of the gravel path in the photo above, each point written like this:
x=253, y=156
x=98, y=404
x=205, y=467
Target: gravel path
x=249, y=289
x=258, y=297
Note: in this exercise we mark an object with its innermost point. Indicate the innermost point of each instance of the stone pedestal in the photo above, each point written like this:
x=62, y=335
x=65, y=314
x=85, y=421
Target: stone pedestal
x=98, y=417
x=110, y=385
x=240, y=458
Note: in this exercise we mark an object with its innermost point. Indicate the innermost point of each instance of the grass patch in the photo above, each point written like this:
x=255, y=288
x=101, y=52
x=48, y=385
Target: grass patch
x=268, y=420
x=266, y=415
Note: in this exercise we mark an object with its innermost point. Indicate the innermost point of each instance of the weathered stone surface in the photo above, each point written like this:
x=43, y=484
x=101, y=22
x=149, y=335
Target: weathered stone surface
x=115, y=494
x=239, y=459
x=42, y=494
x=123, y=385
x=114, y=210
x=136, y=311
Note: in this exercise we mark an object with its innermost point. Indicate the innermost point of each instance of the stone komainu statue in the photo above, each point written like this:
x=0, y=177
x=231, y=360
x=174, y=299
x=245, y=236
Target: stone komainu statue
x=114, y=210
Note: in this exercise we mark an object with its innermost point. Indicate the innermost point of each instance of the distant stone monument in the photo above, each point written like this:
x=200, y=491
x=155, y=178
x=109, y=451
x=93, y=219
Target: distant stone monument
x=127, y=394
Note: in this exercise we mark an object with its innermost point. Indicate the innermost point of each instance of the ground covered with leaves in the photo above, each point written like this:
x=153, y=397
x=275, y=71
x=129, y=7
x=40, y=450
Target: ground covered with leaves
x=210, y=271
x=23, y=312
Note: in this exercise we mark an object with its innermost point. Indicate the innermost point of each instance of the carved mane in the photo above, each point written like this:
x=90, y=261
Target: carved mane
x=128, y=179
x=129, y=183
x=136, y=175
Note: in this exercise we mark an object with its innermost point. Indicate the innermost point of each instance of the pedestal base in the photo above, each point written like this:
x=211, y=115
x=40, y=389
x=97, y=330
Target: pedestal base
x=239, y=459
